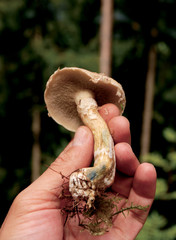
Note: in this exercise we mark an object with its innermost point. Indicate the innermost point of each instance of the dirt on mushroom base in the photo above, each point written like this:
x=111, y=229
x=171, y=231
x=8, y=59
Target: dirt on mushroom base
x=98, y=219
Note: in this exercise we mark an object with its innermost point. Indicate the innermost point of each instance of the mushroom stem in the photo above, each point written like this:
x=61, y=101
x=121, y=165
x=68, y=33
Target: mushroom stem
x=89, y=182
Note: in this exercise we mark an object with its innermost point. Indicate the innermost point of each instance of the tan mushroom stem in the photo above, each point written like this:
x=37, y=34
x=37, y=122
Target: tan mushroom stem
x=89, y=182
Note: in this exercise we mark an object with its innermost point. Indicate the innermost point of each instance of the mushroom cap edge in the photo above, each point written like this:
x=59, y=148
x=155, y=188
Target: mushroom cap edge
x=63, y=85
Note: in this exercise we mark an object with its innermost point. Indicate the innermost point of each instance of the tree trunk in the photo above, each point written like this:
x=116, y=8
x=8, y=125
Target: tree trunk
x=148, y=102
x=36, y=151
x=106, y=36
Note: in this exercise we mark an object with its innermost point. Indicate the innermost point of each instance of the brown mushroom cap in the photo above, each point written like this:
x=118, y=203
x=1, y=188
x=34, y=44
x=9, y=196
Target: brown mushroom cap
x=63, y=85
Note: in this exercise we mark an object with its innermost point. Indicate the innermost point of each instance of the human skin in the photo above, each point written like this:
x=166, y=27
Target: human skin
x=35, y=213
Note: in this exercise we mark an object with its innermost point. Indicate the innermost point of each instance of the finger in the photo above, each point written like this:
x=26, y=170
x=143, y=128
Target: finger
x=108, y=111
x=126, y=160
x=78, y=154
x=144, y=184
x=120, y=129
x=118, y=125
x=127, y=163
x=142, y=193
x=122, y=185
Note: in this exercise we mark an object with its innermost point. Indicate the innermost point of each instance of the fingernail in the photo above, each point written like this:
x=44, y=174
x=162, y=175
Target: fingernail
x=80, y=137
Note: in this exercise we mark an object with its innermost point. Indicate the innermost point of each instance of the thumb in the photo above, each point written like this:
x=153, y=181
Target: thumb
x=77, y=154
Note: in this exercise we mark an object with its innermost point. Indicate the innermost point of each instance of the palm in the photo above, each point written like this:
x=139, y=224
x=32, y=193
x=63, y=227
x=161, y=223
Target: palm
x=36, y=212
x=72, y=231
x=126, y=187
x=134, y=185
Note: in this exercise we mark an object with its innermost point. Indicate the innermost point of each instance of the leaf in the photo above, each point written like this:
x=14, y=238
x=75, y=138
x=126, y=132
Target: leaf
x=161, y=188
x=154, y=229
x=172, y=159
x=169, y=134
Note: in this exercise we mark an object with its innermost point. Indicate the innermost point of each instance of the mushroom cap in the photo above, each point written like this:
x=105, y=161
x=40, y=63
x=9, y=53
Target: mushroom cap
x=65, y=83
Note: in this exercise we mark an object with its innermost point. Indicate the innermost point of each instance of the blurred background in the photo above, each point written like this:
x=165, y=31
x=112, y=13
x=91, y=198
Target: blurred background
x=132, y=41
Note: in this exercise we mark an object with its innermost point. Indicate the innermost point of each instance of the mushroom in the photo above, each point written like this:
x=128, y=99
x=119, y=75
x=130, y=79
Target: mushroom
x=72, y=98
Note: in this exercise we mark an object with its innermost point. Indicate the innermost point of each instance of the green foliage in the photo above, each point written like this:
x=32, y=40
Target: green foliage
x=122, y=49
x=155, y=228
x=158, y=226
x=169, y=134
x=156, y=159
x=162, y=191
x=9, y=14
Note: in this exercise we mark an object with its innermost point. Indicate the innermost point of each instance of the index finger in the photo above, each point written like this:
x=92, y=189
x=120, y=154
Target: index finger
x=108, y=111
x=118, y=125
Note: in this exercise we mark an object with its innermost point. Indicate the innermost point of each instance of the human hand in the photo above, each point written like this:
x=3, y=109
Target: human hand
x=36, y=212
